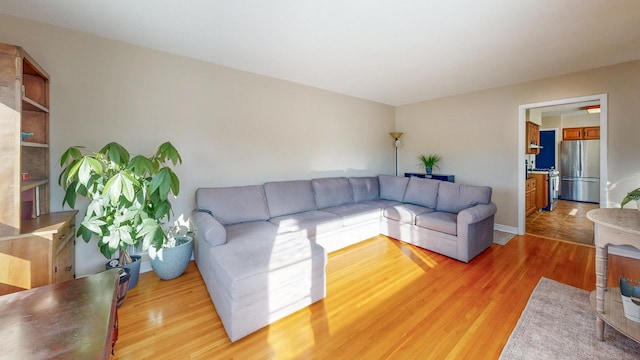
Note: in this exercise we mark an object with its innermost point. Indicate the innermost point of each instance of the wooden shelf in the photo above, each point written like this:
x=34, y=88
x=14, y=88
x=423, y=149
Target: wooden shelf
x=33, y=144
x=614, y=313
x=30, y=184
x=31, y=105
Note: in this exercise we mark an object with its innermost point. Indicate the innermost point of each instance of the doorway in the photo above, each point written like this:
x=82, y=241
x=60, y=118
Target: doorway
x=570, y=102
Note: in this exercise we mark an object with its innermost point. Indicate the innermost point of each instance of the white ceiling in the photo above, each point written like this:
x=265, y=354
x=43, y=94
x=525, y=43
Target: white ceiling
x=391, y=51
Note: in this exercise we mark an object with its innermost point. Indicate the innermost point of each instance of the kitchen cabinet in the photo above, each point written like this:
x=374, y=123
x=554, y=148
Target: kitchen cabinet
x=591, y=133
x=533, y=138
x=542, y=190
x=530, y=196
x=581, y=133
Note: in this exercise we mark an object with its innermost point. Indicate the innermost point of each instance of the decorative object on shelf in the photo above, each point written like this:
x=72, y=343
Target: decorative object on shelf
x=129, y=196
x=25, y=135
x=171, y=259
x=396, y=143
x=429, y=162
x=630, y=299
x=632, y=195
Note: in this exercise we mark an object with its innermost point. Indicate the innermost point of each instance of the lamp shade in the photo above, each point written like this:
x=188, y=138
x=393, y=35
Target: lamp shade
x=396, y=135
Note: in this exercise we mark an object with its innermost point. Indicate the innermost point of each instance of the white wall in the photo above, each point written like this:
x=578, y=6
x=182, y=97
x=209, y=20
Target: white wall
x=231, y=127
x=477, y=133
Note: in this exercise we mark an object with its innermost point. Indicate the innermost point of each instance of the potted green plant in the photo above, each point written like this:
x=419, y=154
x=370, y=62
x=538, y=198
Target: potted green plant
x=171, y=259
x=429, y=162
x=632, y=195
x=128, y=197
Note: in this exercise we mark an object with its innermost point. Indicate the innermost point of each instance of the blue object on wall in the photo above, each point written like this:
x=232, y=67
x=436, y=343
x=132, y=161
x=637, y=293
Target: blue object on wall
x=547, y=157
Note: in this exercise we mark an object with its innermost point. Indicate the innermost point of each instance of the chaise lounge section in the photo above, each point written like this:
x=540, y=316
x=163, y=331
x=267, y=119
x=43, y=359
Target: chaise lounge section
x=262, y=249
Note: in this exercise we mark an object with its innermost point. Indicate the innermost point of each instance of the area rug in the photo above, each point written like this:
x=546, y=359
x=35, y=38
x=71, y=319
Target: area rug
x=558, y=323
x=501, y=237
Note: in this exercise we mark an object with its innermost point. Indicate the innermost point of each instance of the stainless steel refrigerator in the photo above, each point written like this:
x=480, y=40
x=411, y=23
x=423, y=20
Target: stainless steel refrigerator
x=580, y=170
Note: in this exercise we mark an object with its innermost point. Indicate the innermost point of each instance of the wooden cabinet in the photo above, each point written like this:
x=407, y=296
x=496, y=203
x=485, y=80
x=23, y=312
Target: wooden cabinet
x=45, y=255
x=581, y=133
x=542, y=190
x=36, y=247
x=591, y=133
x=533, y=138
x=24, y=139
x=530, y=196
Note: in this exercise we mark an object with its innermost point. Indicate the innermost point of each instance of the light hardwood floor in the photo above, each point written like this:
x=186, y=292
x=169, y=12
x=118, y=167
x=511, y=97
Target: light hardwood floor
x=385, y=300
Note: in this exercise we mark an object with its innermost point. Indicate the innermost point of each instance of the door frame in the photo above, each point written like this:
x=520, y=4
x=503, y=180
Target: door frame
x=522, y=119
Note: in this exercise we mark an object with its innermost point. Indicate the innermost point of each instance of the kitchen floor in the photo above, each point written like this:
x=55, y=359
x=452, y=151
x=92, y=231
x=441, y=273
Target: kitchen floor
x=568, y=221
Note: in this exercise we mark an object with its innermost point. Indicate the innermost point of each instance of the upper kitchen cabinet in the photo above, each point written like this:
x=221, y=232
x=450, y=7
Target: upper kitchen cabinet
x=581, y=133
x=24, y=139
x=533, y=138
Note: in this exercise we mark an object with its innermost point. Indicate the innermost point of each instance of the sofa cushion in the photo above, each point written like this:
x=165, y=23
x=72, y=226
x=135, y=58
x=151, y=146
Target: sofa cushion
x=422, y=192
x=405, y=213
x=249, y=268
x=252, y=230
x=289, y=197
x=232, y=205
x=454, y=198
x=332, y=192
x=307, y=223
x=365, y=188
x=439, y=221
x=381, y=203
x=353, y=214
x=392, y=187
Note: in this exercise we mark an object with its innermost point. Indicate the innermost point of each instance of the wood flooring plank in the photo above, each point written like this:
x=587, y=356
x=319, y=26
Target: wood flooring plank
x=385, y=300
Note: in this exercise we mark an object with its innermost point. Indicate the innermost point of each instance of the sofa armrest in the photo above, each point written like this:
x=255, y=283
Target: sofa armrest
x=476, y=213
x=208, y=228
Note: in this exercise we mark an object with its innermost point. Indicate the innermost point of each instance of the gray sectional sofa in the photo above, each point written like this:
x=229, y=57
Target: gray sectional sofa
x=262, y=249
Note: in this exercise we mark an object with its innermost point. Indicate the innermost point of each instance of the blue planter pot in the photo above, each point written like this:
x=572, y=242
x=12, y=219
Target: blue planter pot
x=170, y=262
x=134, y=269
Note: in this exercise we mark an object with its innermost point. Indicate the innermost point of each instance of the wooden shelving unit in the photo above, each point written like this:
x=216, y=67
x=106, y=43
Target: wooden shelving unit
x=29, y=256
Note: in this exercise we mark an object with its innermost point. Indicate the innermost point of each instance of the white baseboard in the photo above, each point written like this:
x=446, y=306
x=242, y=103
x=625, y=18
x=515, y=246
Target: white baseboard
x=507, y=229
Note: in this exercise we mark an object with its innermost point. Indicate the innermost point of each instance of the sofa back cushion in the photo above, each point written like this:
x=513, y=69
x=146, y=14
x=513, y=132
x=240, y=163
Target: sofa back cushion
x=423, y=192
x=454, y=198
x=289, y=197
x=392, y=187
x=332, y=192
x=365, y=188
x=231, y=205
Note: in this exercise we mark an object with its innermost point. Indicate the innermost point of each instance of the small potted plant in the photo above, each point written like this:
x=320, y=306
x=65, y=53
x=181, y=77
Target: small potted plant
x=632, y=195
x=128, y=197
x=429, y=162
x=171, y=259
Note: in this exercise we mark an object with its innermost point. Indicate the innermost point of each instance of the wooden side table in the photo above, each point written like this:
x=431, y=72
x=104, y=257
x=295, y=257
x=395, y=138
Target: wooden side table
x=75, y=319
x=612, y=227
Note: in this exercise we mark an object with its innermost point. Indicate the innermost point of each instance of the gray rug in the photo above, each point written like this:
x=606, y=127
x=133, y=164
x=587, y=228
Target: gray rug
x=558, y=323
x=501, y=237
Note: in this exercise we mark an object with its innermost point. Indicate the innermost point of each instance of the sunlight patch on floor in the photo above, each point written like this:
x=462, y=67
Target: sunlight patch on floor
x=573, y=212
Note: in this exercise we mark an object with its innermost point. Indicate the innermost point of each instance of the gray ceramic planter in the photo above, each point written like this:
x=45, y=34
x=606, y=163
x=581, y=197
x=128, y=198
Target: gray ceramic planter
x=170, y=262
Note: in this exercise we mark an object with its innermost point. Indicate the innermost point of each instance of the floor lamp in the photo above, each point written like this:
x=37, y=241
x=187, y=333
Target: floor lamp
x=396, y=136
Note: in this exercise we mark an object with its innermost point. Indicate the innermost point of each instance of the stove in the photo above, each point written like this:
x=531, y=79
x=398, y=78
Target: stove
x=550, y=171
